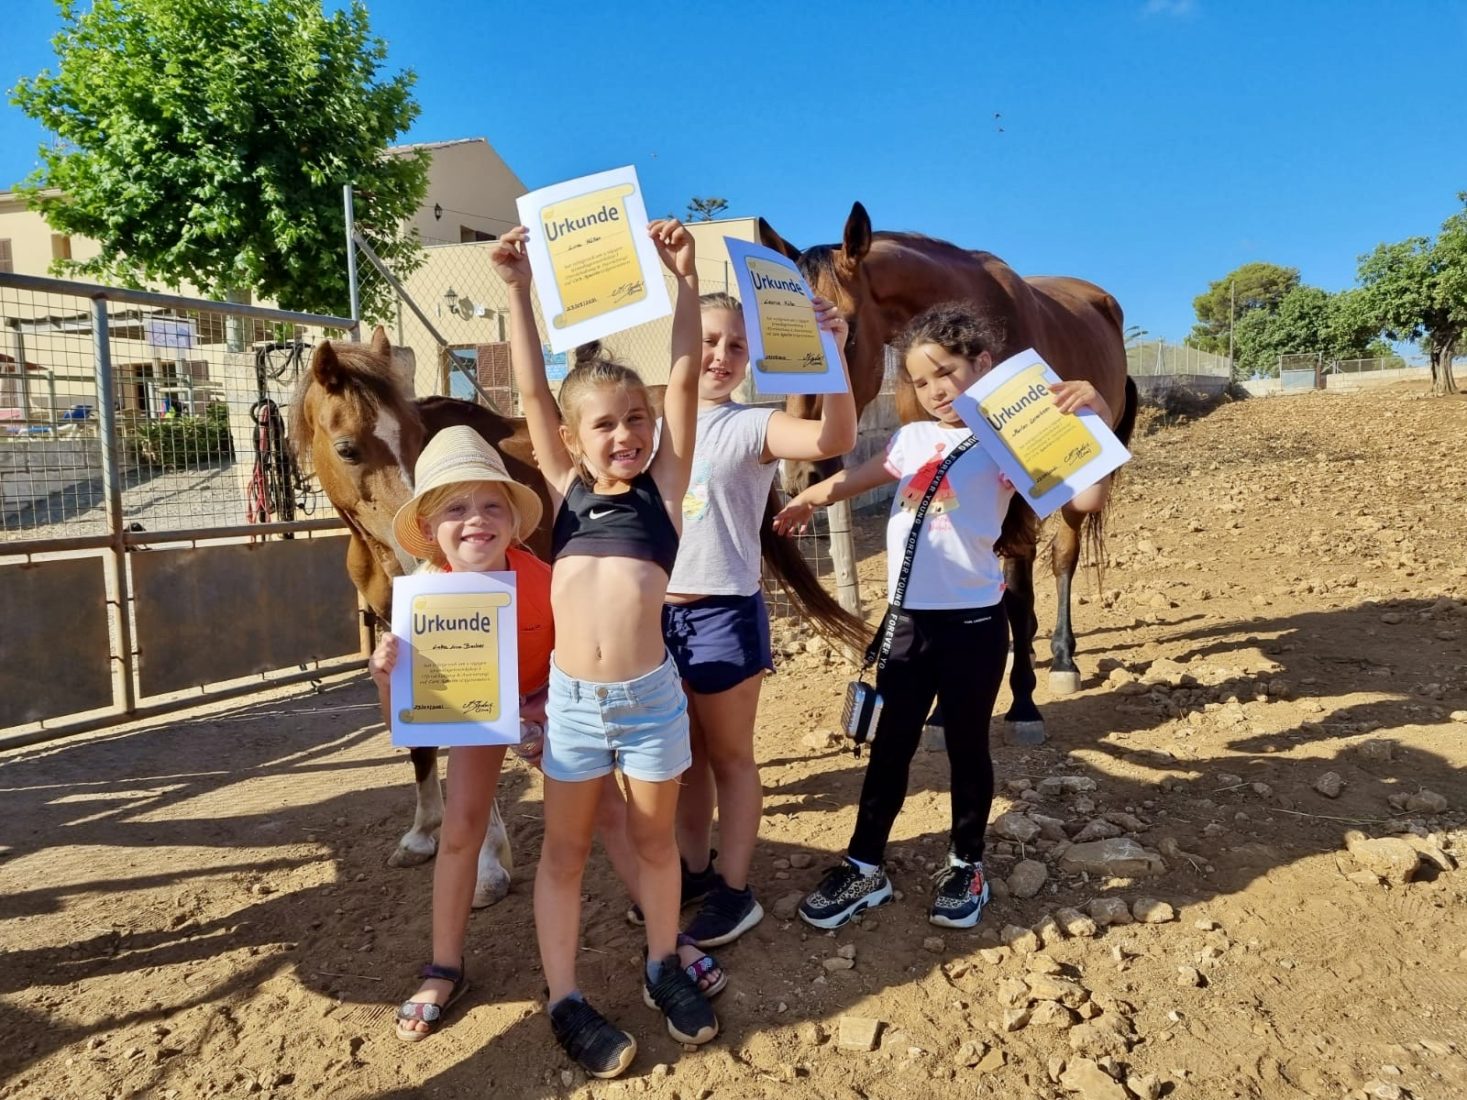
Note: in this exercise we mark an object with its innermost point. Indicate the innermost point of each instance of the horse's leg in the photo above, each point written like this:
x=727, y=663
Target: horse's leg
x=419, y=843
x=1025, y=723
x=1064, y=675
x=495, y=862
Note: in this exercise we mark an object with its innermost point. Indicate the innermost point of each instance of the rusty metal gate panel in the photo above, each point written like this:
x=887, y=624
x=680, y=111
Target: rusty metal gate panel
x=55, y=651
x=222, y=612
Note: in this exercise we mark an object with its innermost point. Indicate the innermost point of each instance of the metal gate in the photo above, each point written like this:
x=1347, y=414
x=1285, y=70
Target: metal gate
x=156, y=548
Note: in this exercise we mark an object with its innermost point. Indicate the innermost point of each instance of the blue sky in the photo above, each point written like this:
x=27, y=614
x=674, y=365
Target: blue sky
x=1148, y=145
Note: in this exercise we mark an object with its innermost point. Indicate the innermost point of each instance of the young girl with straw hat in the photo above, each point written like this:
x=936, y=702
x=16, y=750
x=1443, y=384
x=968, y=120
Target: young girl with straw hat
x=468, y=515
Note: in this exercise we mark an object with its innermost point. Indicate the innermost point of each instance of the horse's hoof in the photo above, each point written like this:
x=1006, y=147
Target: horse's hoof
x=1025, y=734
x=411, y=854
x=491, y=890
x=1064, y=683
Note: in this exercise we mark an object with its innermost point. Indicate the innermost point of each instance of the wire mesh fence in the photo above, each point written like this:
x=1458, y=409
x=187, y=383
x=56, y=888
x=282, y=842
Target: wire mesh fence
x=199, y=400
x=1156, y=358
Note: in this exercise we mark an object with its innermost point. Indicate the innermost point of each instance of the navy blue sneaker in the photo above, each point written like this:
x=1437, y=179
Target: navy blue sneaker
x=726, y=914
x=690, y=1018
x=592, y=1041
x=696, y=885
x=962, y=892
x=842, y=893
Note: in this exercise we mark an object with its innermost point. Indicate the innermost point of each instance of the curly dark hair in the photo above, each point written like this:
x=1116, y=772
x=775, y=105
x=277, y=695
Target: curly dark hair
x=958, y=327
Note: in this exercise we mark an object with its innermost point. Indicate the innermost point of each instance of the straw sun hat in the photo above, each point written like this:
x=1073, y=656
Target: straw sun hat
x=454, y=456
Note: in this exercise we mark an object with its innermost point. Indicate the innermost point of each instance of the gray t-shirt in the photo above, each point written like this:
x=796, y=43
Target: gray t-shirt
x=724, y=505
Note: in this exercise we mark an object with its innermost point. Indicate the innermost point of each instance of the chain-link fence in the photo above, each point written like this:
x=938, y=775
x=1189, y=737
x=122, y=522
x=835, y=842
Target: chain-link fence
x=156, y=538
x=199, y=404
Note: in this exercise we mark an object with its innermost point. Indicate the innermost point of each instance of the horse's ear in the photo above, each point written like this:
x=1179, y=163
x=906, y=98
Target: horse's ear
x=857, y=240
x=770, y=239
x=326, y=368
x=380, y=345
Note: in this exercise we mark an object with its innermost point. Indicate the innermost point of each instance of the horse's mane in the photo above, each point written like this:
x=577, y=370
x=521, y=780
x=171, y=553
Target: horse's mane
x=370, y=382
x=819, y=260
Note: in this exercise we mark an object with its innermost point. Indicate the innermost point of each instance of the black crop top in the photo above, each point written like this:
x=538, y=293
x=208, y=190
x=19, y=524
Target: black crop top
x=634, y=524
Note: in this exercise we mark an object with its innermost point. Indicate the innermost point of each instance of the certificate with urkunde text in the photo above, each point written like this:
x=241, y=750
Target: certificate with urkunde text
x=1049, y=456
x=788, y=351
x=456, y=681
x=596, y=269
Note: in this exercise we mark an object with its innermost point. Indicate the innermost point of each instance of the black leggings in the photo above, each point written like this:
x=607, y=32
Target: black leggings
x=957, y=657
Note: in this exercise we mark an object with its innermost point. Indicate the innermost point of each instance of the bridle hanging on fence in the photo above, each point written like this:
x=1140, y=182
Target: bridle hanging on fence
x=276, y=487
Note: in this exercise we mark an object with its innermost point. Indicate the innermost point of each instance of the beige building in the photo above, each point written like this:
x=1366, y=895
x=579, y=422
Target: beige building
x=28, y=246
x=471, y=193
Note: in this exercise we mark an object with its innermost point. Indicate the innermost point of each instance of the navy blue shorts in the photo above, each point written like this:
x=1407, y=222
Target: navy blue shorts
x=718, y=642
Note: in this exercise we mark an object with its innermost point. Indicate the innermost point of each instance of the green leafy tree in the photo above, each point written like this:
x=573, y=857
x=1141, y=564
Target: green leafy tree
x=1416, y=289
x=207, y=141
x=1250, y=287
x=705, y=210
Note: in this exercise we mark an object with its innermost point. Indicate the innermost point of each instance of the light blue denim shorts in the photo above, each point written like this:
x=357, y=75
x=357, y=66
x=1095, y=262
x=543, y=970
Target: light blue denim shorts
x=639, y=726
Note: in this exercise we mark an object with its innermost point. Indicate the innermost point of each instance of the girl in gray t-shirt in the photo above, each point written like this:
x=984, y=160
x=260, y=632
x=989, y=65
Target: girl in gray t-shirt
x=715, y=621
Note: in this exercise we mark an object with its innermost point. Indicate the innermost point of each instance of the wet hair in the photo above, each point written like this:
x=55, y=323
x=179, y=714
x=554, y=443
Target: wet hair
x=719, y=300
x=436, y=500
x=957, y=327
x=593, y=370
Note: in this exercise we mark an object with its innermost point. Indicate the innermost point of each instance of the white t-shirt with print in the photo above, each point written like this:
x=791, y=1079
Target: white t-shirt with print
x=955, y=566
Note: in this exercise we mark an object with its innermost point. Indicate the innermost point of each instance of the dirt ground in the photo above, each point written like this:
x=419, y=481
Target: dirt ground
x=201, y=907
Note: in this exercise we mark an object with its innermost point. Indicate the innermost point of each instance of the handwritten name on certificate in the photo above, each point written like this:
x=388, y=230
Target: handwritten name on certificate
x=456, y=681
x=1049, y=456
x=596, y=270
x=788, y=351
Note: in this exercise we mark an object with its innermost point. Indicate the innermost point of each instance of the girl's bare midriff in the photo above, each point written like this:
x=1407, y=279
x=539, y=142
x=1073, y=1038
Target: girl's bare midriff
x=613, y=611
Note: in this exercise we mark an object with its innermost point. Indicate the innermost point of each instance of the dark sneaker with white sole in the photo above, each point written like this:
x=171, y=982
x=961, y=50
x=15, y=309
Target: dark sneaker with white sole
x=962, y=892
x=690, y=1018
x=594, y=1043
x=842, y=893
x=725, y=915
x=696, y=885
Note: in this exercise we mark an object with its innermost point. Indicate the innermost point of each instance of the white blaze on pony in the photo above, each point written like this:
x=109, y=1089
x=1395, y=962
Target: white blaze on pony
x=356, y=427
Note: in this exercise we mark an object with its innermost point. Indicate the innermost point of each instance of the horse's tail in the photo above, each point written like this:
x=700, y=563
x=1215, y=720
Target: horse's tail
x=1092, y=534
x=789, y=568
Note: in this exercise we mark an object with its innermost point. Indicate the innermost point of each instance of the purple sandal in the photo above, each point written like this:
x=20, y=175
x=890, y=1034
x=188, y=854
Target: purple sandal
x=427, y=1012
x=701, y=967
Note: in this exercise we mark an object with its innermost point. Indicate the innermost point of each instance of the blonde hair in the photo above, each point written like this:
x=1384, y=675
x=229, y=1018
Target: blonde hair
x=436, y=500
x=719, y=300
x=594, y=370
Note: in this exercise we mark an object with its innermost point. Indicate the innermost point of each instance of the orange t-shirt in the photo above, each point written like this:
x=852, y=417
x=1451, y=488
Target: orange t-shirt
x=536, y=626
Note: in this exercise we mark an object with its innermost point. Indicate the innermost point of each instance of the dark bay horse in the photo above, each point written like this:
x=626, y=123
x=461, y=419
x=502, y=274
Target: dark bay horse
x=356, y=427
x=880, y=281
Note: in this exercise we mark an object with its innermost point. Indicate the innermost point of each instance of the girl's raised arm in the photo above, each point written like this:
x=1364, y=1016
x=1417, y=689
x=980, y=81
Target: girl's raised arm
x=542, y=415
x=850, y=482
x=835, y=432
x=672, y=468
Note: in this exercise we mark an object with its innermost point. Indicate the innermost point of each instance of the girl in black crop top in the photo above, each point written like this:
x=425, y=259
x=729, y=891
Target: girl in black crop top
x=610, y=674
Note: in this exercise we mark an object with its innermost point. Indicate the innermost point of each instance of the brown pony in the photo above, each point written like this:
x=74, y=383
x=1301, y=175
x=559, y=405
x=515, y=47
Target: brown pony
x=354, y=426
x=880, y=281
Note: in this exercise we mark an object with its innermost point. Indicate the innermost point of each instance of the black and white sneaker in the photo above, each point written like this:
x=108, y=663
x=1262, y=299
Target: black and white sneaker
x=696, y=885
x=842, y=893
x=962, y=892
x=690, y=1018
x=726, y=914
x=592, y=1041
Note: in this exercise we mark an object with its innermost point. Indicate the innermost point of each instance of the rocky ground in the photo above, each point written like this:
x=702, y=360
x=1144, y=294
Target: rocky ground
x=1234, y=869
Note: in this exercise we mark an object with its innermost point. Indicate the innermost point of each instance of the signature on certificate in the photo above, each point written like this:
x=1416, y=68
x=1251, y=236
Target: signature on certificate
x=479, y=706
x=813, y=358
x=626, y=290
x=1077, y=453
